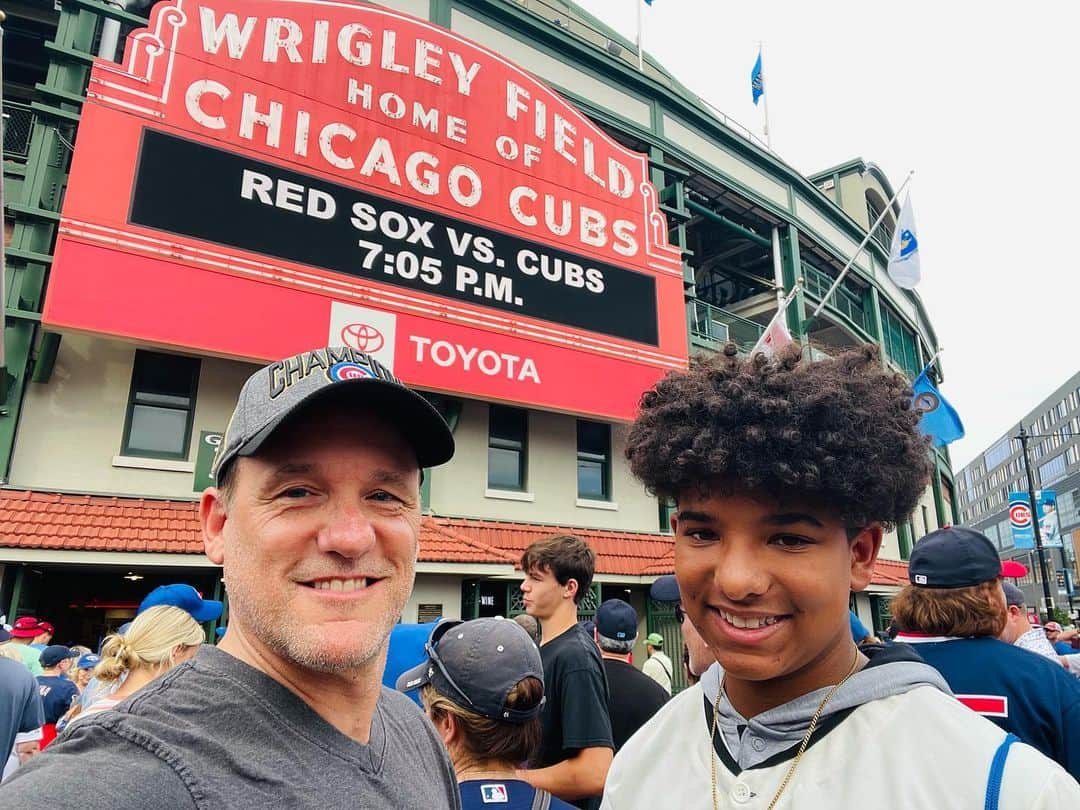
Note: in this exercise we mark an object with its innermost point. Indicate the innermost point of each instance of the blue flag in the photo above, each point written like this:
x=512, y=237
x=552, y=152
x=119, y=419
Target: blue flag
x=940, y=421
x=757, y=81
x=648, y=2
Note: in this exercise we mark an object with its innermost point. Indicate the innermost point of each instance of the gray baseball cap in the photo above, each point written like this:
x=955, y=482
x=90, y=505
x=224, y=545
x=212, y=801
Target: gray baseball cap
x=277, y=391
x=476, y=664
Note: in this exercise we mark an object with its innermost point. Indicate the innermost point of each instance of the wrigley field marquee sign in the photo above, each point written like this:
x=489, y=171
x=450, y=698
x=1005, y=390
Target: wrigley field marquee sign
x=260, y=178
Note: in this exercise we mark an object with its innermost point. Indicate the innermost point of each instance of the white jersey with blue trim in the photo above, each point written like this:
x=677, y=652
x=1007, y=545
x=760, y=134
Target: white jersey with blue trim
x=919, y=749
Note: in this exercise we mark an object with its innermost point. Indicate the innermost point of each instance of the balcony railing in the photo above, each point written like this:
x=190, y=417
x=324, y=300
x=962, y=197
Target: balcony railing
x=844, y=300
x=715, y=325
x=18, y=122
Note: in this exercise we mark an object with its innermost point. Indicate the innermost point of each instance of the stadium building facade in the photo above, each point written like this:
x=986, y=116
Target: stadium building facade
x=179, y=211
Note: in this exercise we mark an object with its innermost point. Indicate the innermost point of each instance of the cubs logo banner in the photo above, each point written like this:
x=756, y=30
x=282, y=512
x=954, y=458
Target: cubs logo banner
x=261, y=178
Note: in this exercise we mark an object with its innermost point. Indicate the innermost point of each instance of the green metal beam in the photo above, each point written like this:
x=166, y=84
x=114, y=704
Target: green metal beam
x=720, y=219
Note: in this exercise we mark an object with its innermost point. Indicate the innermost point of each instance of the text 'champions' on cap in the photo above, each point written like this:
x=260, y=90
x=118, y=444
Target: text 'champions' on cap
x=277, y=391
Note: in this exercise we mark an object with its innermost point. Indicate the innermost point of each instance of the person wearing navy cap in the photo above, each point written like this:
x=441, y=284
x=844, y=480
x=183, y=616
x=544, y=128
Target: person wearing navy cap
x=697, y=657
x=186, y=598
x=482, y=684
x=953, y=612
x=633, y=697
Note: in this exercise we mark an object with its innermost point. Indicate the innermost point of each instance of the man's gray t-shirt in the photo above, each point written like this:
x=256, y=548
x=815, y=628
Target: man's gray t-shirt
x=217, y=733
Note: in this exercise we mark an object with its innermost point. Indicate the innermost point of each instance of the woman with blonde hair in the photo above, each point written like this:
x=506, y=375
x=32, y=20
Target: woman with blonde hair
x=158, y=639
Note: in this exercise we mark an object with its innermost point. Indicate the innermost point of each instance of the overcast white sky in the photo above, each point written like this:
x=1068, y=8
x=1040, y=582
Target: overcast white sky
x=980, y=100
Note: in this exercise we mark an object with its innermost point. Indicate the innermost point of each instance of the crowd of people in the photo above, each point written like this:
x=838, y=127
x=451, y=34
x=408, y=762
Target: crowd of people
x=785, y=474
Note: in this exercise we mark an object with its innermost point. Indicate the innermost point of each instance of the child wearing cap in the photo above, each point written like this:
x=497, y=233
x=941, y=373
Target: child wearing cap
x=482, y=684
x=954, y=612
x=785, y=473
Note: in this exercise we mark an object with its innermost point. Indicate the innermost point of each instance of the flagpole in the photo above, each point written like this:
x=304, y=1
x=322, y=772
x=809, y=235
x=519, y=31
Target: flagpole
x=640, y=53
x=931, y=361
x=761, y=53
x=888, y=207
x=3, y=269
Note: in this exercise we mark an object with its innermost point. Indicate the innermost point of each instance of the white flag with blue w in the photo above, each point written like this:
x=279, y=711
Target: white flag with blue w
x=904, y=266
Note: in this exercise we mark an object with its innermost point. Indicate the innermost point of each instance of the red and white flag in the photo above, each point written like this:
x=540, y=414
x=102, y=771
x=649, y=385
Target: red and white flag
x=776, y=335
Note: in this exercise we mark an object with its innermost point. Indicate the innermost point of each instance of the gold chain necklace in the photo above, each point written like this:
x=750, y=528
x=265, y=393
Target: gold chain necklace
x=798, y=754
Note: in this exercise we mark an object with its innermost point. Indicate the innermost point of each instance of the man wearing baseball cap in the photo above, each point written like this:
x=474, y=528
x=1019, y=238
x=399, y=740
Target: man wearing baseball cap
x=23, y=632
x=633, y=697
x=658, y=665
x=57, y=690
x=315, y=520
x=953, y=612
x=482, y=684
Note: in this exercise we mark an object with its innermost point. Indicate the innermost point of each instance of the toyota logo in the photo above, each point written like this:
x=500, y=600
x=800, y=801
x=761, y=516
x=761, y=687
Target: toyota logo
x=362, y=337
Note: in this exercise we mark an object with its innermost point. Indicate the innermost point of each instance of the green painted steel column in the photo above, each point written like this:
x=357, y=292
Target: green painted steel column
x=875, y=314
x=939, y=500
x=16, y=593
x=792, y=267
x=903, y=536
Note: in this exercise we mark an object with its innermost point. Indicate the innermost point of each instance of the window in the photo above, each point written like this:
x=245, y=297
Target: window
x=899, y=341
x=1052, y=470
x=997, y=454
x=593, y=460
x=160, y=406
x=507, y=442
x=667, y=509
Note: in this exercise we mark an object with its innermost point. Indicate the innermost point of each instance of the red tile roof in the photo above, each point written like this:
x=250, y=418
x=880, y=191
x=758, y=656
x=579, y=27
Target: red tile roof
x=97, y=523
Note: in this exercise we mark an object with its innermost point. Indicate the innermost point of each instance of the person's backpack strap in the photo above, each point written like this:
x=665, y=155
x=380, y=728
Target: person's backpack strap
x=541, y=800
x=997, y=768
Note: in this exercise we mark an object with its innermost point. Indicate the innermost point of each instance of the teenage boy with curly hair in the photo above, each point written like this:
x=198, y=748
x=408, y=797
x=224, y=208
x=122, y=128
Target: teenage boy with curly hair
x=785, y=473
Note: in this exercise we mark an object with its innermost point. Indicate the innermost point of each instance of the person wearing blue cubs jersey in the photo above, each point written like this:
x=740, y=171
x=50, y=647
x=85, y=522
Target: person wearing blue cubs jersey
x=953, y=614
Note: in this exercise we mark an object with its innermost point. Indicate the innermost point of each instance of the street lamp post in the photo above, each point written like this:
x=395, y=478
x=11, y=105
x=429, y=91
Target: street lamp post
x=1049, y=607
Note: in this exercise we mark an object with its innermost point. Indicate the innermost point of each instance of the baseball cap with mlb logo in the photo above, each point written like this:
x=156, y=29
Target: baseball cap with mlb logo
x=276, y=392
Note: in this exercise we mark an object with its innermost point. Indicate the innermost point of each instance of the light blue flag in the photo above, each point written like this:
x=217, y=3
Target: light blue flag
x=757, y=81
x=939, y=421
x=648, y=2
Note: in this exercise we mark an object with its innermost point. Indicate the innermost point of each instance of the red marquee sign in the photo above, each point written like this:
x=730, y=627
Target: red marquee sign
x=264, y=177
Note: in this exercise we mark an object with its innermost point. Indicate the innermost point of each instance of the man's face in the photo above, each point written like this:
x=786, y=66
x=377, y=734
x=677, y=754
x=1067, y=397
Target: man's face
x=319, y=538
x=766, y=583
x=1016, y=624
x=701, y=657
x=543, y=594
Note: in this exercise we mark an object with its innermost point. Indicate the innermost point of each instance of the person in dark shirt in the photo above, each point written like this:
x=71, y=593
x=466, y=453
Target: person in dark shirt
x=56, y=689
x=633, y=697
x=576, y=749
x=953, y=613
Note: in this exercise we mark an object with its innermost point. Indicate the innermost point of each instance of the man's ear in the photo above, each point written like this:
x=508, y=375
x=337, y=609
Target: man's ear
x=570, y=589
x=864, y=551
x=212, y=518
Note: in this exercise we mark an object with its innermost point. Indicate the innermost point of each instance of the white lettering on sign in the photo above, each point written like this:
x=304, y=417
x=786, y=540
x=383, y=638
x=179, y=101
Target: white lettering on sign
x=355, y=44
x=469, y=358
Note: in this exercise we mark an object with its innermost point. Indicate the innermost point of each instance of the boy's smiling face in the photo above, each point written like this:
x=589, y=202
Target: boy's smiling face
x=766, y=583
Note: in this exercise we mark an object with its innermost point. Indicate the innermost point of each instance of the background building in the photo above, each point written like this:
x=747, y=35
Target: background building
x=107, y=433
x=1054, y=455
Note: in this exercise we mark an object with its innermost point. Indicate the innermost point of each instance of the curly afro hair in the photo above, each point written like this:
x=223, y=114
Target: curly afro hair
x=839, y=430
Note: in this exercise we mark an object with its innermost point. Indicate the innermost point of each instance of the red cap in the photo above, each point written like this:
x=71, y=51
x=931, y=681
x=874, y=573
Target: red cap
x=1013, y=569
x=26, y=627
